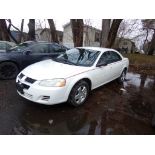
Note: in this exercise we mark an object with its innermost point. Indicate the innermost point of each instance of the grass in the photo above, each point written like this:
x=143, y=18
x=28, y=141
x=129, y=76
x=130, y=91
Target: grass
x=140, y=59
x=140, y=63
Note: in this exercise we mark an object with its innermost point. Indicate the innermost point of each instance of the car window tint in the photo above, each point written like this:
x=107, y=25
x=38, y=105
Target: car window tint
x=8, y=46
x=115, y=57
x=2, y=46
x=39, y=48
x=105, y=58
x=55, y=48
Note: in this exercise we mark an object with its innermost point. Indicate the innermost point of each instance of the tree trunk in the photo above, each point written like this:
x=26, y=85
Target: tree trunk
x=9, y=32
x=104, y=32
x=1, y=35
x=21, y=31
x=152, y=45
x=3, y=30
x=31, y=33
x=113, y=32
x=77, y=31
x=54, y=36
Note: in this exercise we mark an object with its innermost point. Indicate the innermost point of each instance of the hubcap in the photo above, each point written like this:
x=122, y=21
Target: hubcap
x=81, y=94
x=7, y=71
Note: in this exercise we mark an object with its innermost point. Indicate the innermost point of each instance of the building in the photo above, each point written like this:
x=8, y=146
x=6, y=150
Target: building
x=125, y=45
x=91, y=36
x=45, y=35
x=16, y=35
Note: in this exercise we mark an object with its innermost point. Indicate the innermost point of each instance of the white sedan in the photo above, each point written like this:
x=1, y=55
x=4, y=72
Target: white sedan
x=71, y=76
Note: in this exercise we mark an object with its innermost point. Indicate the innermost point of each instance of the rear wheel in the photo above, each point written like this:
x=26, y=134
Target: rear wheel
x=79, y=94
x=121, y=79
x=8, y=70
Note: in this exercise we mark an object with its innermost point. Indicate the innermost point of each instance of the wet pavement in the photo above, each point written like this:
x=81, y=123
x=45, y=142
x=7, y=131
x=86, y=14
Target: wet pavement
x=111, y=109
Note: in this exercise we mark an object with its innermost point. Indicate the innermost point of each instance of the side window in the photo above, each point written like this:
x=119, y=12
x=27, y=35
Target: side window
x=115, y=57
x=8, y=46
x=2, y=46
x=56, y=48
x=105, y=57
x=39, y=48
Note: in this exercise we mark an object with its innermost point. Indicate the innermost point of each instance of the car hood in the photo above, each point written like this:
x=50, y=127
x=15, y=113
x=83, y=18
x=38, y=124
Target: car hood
x=49, y=69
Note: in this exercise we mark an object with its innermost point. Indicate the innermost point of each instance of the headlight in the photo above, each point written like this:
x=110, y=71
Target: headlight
x=53, y=83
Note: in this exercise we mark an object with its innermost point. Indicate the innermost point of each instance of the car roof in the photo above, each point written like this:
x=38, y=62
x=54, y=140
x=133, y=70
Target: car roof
x=101, y=49
x=2, y=41
x=33, y=42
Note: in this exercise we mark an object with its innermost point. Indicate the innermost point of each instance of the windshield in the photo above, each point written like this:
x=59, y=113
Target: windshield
x=20, y=47
x=78, y=57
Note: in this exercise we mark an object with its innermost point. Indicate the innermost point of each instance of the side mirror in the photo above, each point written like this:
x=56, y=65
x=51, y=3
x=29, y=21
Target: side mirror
x=101, y=64
x=27, y=52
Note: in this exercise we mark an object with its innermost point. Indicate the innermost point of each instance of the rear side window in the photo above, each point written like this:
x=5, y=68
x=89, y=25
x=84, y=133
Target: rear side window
x=40, y=48
x=57, y=48
x=114, y=56
x=2, y=46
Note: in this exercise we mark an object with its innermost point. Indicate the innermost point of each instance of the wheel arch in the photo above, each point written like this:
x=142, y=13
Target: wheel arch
x=77, y=81
x=86, y=80
x=11, y=62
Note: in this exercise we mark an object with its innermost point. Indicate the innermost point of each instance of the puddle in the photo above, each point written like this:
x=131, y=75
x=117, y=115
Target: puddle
x=112, y=109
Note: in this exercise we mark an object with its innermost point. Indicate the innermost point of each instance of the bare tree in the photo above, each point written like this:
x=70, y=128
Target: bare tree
x=1, y=35
x=152, y=45
x=9, y=31
x=105, y=32
x=54, y=36
x=4, y=31
x=77, y=31
x=149, y=24
x=113, y=32
x=31, y=33
x=21, y=31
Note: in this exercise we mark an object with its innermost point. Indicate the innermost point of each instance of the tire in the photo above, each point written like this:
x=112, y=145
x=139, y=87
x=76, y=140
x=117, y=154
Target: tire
x=121, y=79
x=79, y=94
x=8, y=70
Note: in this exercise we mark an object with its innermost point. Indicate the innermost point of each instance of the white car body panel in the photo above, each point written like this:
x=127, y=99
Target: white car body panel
x=49, y=69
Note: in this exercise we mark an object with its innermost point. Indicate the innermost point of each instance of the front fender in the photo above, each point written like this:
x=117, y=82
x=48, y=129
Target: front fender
x=2, y=59
x=73, y=80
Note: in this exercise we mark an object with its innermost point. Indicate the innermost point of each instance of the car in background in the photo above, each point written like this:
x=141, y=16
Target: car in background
x=71, y=76
x=27, y=53
x=6, y=45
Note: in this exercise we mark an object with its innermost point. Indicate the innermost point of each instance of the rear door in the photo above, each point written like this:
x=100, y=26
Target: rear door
x=37, y=53
x=116, y=64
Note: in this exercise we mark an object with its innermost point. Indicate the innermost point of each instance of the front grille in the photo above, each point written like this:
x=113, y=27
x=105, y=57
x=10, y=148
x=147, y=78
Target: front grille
x=21, y=76
x=45, y=98
x=25, y=86
x=29, y=80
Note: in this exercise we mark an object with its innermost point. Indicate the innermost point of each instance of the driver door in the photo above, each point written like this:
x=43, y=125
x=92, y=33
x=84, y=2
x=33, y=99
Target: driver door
x=103, y=74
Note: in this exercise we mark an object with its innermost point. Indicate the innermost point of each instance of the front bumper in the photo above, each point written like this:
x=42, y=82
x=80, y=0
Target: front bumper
x=42, y=95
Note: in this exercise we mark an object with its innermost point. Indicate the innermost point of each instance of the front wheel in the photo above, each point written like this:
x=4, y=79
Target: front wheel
x=79, y=94
x=8, y=70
